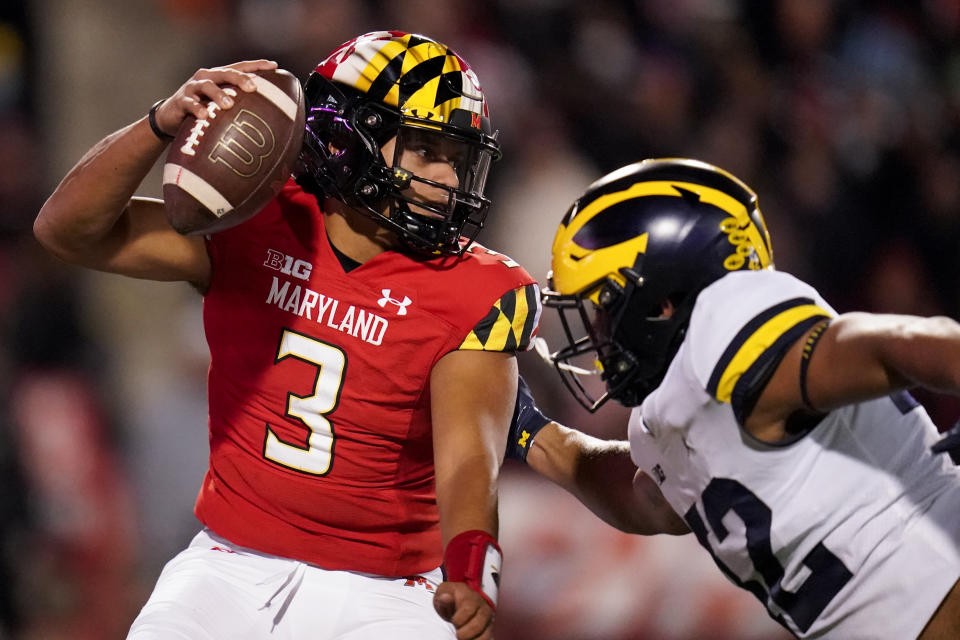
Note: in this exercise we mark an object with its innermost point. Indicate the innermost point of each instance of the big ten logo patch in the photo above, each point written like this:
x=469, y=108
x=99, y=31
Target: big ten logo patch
x=245, y=143
x=418, y=581
x=288, y=265
x=744, y=241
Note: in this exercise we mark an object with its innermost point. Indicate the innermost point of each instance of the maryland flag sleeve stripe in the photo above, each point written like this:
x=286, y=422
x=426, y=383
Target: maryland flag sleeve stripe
x=531, y=316
x=760, y=335
x=510, y=323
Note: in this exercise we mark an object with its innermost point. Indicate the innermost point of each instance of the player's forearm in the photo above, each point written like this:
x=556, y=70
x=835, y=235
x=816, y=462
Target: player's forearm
x=866, y=356
x=928, y=354
x=467, y=496
x=86, y=206
x=600, y=474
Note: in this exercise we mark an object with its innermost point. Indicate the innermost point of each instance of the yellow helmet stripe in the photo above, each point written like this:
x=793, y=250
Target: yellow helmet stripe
x=575, y=268
x=574, y=272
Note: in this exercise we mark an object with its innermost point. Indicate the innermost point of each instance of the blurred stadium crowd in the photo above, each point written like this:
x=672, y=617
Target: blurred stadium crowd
x=844, y=116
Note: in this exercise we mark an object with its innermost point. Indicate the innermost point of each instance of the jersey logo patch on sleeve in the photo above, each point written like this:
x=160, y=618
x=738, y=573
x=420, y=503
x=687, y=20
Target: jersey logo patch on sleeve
x=759, y=346
x=510, y=323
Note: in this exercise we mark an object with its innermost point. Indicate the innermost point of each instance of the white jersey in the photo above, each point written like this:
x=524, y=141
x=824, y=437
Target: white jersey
x=849, y=531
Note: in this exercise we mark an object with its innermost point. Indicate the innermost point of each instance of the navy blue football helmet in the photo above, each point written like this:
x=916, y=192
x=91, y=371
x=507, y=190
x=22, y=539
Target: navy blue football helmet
x=645, y=238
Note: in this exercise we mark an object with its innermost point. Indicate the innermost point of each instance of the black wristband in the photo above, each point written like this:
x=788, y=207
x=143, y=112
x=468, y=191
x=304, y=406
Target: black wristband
x=152, y=119
x=527, y=422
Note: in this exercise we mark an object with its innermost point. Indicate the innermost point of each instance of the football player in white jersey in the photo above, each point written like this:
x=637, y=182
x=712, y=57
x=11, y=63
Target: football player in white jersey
x=778, y=431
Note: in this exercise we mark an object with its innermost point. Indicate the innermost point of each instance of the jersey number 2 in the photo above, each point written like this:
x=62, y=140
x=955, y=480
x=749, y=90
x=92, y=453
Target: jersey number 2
x=827, y=574
x=311, y=410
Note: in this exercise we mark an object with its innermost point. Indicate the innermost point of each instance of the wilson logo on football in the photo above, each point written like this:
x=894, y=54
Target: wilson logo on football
x=245, y=143
x=400, y=304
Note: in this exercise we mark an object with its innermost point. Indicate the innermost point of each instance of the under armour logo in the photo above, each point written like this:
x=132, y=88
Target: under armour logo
x=413, y=581
x=401, y=304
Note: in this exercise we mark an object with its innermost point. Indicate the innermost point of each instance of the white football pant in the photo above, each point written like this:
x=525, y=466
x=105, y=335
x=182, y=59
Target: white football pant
x=214, y=590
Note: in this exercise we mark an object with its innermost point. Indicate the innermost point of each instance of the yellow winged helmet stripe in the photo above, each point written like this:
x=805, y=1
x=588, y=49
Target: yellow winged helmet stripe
x=574, y=267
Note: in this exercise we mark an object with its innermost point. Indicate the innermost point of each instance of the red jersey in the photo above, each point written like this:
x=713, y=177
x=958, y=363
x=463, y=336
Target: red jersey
x=320, y=434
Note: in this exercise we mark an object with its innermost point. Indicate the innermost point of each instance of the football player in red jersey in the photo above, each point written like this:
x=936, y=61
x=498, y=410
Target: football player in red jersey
x=362, y=371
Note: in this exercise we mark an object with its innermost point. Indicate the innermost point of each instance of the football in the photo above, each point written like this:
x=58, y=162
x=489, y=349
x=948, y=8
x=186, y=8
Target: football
x=222, y=169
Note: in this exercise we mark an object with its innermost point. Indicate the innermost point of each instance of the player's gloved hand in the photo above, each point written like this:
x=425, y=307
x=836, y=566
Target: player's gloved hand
x=949, y=443
x=527, y=422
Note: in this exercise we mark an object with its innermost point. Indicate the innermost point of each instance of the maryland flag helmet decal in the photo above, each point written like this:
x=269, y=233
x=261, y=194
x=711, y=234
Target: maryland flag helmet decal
x=419, y=76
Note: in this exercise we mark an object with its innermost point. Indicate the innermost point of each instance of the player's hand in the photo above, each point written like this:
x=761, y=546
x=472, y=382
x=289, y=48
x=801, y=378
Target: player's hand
x=526, y=423
x=203, y=87
x=468, y=611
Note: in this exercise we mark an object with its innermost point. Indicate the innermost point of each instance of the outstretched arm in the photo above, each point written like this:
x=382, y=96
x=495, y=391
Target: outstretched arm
x=859, y=356
x=92, y=218
x=597, y=472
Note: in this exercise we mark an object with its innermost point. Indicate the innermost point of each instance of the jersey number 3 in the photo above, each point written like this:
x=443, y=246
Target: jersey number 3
x=827, y=574
x=310, y=410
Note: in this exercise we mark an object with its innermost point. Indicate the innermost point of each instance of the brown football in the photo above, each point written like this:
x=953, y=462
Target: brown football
x=223, y=169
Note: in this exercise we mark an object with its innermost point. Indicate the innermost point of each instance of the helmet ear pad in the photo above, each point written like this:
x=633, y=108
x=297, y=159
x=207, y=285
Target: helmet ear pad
x=641, y=340
x=344, y=134
x=650, y=343
x=644, y=339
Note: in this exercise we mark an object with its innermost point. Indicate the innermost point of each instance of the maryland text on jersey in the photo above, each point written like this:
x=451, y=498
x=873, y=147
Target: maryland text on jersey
x=312, y=305
x=509, y=325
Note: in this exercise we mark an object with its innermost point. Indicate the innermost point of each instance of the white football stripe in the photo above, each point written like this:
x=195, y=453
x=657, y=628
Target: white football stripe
x=274, y=94
x=197, y=187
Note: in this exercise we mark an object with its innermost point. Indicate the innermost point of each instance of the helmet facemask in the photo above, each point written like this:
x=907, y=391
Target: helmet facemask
x=617, y=332
x=431, y=216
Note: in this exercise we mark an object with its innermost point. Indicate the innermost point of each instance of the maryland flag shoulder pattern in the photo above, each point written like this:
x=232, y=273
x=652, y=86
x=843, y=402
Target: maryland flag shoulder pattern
x=754, y=352
x=509, y=325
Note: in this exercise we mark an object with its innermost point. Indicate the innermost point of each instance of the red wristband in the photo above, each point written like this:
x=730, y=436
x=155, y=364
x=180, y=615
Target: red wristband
x=475, y=557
